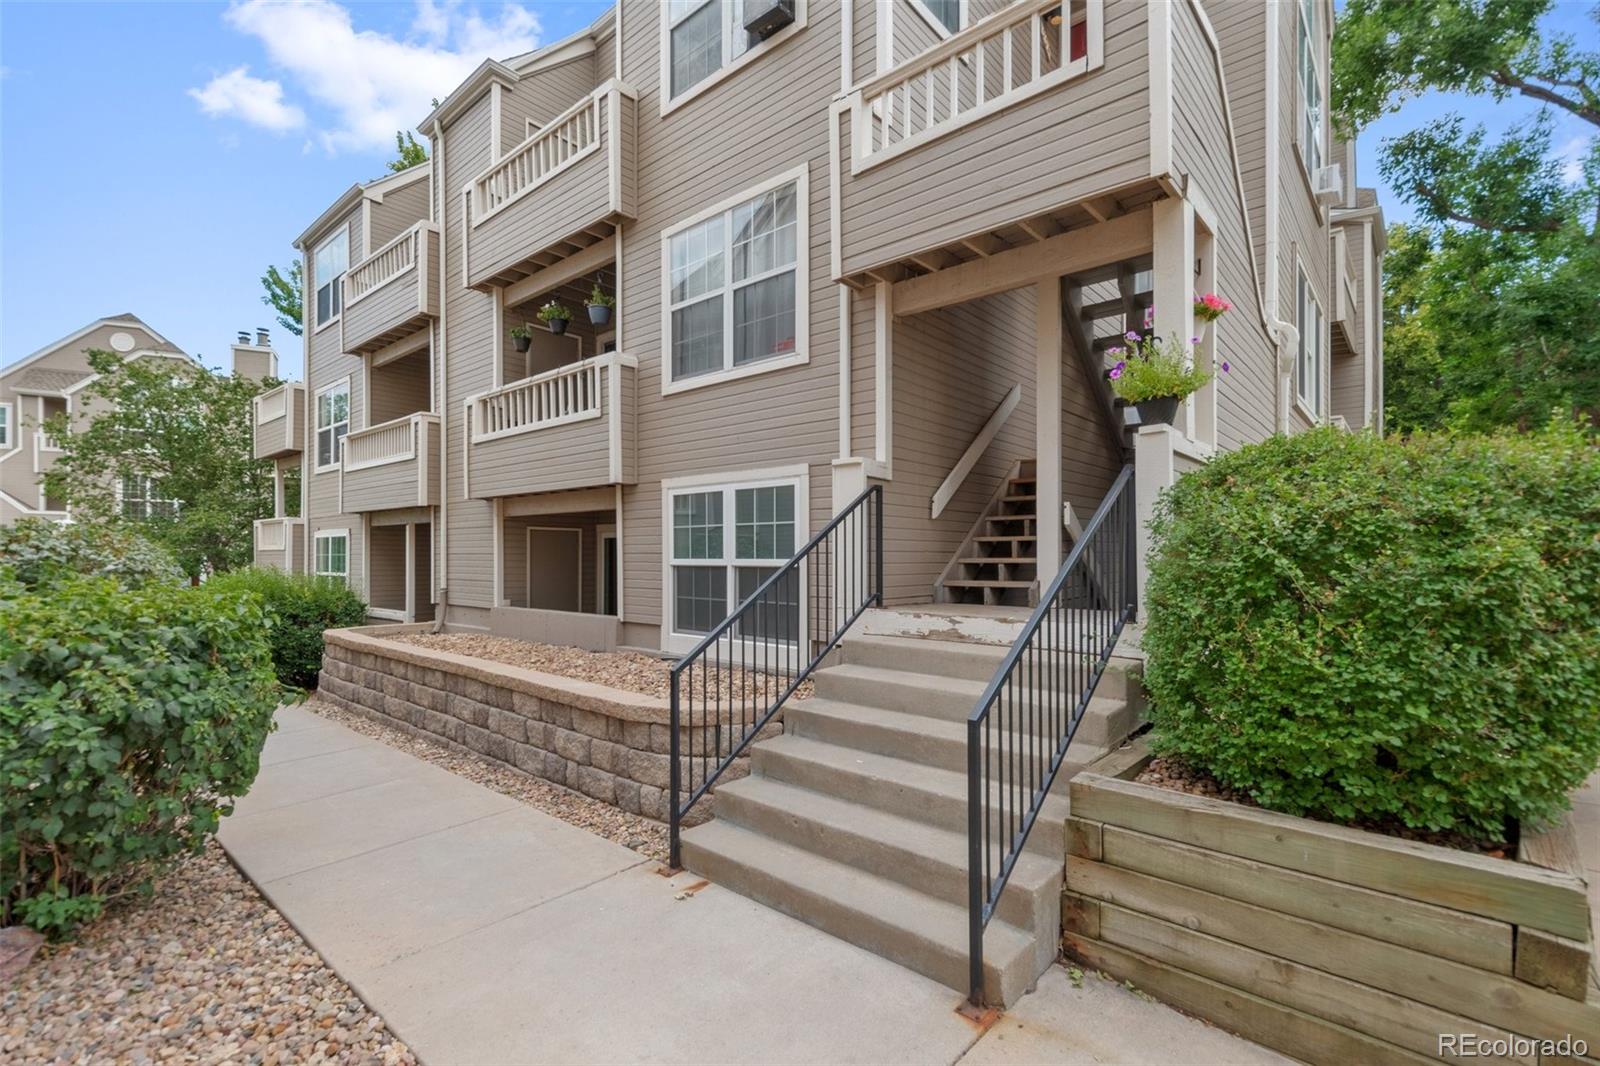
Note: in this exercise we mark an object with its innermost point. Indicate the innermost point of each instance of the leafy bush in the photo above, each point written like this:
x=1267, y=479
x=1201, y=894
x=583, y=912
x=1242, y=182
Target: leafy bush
x=39, y=551
x=1377, y=630
x=128, y=717
x=298, y=609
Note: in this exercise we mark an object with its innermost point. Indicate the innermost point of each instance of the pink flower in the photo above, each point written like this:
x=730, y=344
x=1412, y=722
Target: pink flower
x=1132, y=336
x=1115, y=372
x=1194, y=340
x=1115, y=351
x=1210, y=307
x=1149, y=316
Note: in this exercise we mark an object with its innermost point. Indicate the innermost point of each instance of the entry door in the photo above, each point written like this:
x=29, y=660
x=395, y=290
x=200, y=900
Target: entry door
x=555, y=569
x=608, y=569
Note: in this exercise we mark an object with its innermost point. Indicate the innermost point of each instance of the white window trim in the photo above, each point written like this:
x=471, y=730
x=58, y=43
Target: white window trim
x=802, y=286
x=316, y=404
x=328, y=534
x=1301, y=402
x=337, y=282
x=122, y=498
x=10, y=428
x=799, y=476
x=1306, y=170
x=671, y=103
x=933, y=20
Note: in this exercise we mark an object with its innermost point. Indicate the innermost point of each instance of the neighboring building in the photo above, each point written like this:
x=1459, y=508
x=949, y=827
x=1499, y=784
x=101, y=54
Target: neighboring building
x=831, y=265
x=52, y=381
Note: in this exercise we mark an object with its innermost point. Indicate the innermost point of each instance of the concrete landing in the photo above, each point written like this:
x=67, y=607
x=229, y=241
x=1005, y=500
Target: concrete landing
x=484, y=931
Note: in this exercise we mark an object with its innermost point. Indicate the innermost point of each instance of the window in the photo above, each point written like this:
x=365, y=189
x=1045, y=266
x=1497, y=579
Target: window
x=5, y=425
x=945, y=12
x=735, y=287
x=333, y=422
x=725, y=542
x=1308, y=357
x=332, y=258
x=1310, y=50
x=702, y=38
x=333, y=556
x=142, y=498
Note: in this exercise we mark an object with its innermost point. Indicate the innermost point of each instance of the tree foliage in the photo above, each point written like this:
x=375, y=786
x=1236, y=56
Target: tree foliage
x=299, y=607
x=186, y=430
x=283, y=296
x=1492, y=301
x=408, y=153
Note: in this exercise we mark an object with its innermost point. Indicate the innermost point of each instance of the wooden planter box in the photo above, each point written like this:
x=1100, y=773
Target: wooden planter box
x=1328, y=943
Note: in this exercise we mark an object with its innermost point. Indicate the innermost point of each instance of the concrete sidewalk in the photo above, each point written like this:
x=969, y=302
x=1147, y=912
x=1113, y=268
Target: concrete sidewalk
x=484, y=931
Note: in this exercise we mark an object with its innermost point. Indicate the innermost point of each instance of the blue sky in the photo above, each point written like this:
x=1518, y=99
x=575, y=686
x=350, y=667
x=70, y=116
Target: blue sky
x=154, y=158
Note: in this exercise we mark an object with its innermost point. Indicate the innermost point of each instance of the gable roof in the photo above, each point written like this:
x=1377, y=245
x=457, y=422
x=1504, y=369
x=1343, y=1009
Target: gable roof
x=110, y=320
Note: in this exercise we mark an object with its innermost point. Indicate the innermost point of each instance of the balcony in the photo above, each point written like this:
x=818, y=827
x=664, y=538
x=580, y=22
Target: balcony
x=392, y=465
x=1029, y=123
x=568, y=428
x=279, y=417
x=393, y=292
x=1346, y=304
x=280, y=543
x=556, y=194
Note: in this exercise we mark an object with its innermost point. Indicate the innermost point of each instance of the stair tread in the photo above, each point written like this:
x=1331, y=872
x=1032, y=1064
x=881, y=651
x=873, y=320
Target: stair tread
x=998, y=537
x=886, y=902
x=882, y=828
x=1013, y=560
x=980, y=583
x=886, y=675
x=909, y=721
x=1027, y=498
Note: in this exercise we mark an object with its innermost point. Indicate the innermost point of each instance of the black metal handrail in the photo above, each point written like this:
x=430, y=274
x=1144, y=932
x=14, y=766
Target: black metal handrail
x=726, y=690
x=1017, y=735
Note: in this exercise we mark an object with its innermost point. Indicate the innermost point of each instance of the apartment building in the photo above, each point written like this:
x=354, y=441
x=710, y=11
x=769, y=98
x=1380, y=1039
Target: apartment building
x=847, y=244
x=54, y=380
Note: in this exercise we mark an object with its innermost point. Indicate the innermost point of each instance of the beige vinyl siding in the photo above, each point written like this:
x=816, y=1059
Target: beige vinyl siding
x=394, y=485
x=1085, y=137
x=1203, y=149
x=390, y=306
x=400, y=209
x=743, y=131
x=1241, y=32
x=326, y=364
x=542, y=96
x=1347, y=395
x=398, y=388
x=571, y=456
x=272, y=436
x=470, y=321
x=605, y=57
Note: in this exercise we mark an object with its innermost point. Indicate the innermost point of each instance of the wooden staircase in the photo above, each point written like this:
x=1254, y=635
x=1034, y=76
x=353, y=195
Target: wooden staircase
x=997, y=563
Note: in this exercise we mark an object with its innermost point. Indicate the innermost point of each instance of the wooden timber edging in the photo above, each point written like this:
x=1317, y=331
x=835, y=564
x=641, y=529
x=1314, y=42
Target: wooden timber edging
x=1325, y=942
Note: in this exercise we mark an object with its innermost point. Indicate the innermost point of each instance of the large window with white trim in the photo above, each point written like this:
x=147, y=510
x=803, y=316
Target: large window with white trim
x=333, y=423
x=1309, y=44
x=736, y=285
x=945, y=12
x=333, y=555
x=725, y=541
x=1309, y=354
x=703, y=36
x=142, y=497
x=5, y=425
x=328, y=266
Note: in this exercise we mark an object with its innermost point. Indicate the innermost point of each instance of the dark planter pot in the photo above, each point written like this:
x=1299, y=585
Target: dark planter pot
x=599, y=315
x=1158, y=412
x=558, y=325
x=521, y=343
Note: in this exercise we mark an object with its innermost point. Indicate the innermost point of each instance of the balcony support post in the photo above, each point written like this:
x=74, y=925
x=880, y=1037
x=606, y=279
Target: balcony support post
x=1048, y=336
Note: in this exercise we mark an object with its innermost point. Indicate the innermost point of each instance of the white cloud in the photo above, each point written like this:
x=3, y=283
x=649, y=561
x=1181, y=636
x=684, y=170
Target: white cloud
x=371, y=84
x=255, y=100
x=1571, y=155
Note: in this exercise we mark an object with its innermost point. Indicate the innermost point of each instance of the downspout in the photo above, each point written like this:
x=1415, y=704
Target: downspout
x=443, y=539
x=307, y=438
x=1283, y=334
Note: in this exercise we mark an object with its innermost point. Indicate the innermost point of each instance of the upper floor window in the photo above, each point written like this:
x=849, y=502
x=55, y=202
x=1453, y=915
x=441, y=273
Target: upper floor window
x=142, y=498
x=736, y=286
x=1309, y=354
x=333, y=422
x=1309, y=42
x=699, y=38
x=333, y=555
x=5, y=425
x=330, y=263
x=946, y=13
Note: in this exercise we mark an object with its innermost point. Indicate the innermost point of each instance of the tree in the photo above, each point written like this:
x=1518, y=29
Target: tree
x=409, y=152
x=1491, y=312
x=168, y=430
x=283, y=295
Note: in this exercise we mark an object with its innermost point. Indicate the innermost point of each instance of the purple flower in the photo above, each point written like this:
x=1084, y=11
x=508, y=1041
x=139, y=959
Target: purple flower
x=1132, y=336
x=1194, y=340
x=1114, y=351
x=1115, y=372
x=1149, y=316
x=1120, y=364
x=1225, y=366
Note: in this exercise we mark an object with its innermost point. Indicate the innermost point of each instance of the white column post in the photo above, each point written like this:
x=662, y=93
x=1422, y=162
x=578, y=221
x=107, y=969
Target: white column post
x=1047, y=427
x=1172, y=222
x=277, y=489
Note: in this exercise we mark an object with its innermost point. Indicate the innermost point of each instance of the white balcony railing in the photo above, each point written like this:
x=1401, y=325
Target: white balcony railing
x=272, y=534
x=996, y=62
x=395, y=441
x=273, y=404
x=560, y=143
x=556, y=397
x=44, y=442
x=386, y=264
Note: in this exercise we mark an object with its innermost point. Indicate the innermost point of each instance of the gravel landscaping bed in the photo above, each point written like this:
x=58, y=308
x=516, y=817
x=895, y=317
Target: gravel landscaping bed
x=202, y=971
x=629, y=671
x=647, y=837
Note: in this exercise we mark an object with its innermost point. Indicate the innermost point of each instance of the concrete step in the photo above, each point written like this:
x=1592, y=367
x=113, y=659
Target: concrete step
x=939, y=658
x=907, y=789
x=915, y=854
x=936, y=742
x=899, y=923
x=951, y=693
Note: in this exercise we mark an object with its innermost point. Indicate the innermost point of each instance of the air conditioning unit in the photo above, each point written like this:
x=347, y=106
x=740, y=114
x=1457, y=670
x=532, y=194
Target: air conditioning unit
x=1328, y=184
x=766, y=17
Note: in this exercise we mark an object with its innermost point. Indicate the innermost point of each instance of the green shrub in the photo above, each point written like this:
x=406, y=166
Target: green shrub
x=128, y=718
x=298, y=608
x=1374, y=630
x=39, y=551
